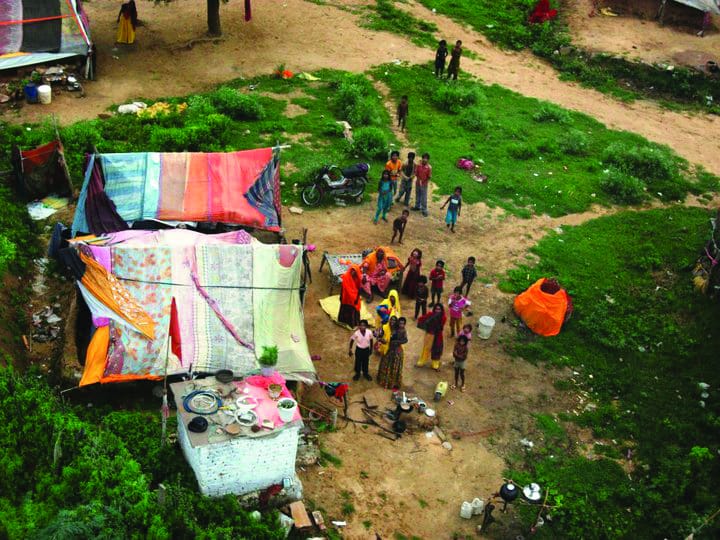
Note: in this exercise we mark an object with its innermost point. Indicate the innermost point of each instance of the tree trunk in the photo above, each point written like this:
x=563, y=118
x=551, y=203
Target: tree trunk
x=213, y=17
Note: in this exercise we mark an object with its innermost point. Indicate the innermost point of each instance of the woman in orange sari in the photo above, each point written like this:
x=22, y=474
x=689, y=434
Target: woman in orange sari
x=378, y=272
x=350, y=302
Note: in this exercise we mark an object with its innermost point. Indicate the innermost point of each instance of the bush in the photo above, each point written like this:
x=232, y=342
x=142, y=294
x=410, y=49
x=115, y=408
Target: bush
x=169, y=140
x=200, y=106
x=475, y=119
x=574, y=143
x=456, y=97
x=521, y=151
x=646, y=162
x=355, y=99
x=370, y=142
x=236, y=105
x=623, y=188
x=551, y=113
x=7, y=253
x=364, y=113
x=332, y=129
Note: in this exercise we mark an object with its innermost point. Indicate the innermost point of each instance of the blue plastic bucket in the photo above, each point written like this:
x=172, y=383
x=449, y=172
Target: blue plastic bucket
x=31, y=93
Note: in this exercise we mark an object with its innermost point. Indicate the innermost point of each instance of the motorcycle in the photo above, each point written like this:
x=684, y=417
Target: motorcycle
x=347, y=182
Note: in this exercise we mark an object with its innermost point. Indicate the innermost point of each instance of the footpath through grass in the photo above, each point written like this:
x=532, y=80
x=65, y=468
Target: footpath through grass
x=642, y=341
x=539, y=158
x=505, y=22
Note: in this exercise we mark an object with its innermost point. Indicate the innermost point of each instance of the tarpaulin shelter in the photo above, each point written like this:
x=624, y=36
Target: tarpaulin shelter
x=177, y=301
x=682, y=12
x=42, y=31
x=240, y=188
x=544, y=307
x=41, y=171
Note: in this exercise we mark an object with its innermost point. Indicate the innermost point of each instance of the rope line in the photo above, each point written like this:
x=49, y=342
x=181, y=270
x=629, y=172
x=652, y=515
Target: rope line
x=301, y=288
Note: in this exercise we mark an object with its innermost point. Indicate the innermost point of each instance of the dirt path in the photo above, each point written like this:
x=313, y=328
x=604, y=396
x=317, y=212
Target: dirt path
x=278, y=34
x=637, y=38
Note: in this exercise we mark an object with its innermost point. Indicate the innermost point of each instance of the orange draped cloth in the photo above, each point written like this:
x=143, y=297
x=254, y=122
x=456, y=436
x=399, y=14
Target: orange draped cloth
x=350, y=292
x=371, y=260
x=542, y=312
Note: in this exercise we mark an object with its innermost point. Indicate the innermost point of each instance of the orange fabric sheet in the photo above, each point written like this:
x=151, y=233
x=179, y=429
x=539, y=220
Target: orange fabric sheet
x=108, y=290
x=543, y=313
x=196, y=189
x=96, y=356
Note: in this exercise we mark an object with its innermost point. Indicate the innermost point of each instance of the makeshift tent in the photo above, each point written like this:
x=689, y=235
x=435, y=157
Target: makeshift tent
x=40, y=31
x=176, y=301
x=41, y=171
x=544, y=307
x=683, y=12
x=241, y=188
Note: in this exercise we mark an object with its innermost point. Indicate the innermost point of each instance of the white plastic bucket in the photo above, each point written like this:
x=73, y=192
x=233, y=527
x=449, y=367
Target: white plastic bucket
x=485, y=326
x=44, y=94
x=286, y=415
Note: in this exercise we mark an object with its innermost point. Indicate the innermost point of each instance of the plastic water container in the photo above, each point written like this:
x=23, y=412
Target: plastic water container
x=31, y=93
x=466, y=510
x=485, y=326
x=44, y=94
x=477, y=505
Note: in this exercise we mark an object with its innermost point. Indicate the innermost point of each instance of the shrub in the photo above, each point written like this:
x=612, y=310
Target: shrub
x=521, y=151
x=475, y=119
x=574, y=143
x=169, y=140
x=356, y=101
x=236, y=105
x=7, y=253
x=456, y=97
x=551, y=113
x=623, y=188
x=332, y=129
x=646, y=162
x=200, y=106
x=370, y=142
x=364, y=113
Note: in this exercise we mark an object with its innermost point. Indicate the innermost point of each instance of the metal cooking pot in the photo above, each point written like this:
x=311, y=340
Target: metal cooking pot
x=399, y=426
x=509, y=492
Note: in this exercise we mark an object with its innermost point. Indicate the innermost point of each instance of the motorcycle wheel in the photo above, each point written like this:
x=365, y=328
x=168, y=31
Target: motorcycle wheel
x=358, y=188
x=312, y=195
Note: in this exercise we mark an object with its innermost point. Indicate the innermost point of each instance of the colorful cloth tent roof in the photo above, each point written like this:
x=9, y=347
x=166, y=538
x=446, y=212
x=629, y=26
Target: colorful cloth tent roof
x=241, y=188
x=176, y=301
x=39, y=31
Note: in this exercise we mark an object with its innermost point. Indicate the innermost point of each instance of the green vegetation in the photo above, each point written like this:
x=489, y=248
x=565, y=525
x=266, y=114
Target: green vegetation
x=62, y=476
x=384, y=16
x=539, y=158
x=234, y=117
x=642, y=340
x=348, y=508
x=506, y=23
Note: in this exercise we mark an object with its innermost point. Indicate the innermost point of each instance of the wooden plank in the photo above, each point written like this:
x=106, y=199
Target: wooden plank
x=300, y=515
x=319, y=520
x=370, y=402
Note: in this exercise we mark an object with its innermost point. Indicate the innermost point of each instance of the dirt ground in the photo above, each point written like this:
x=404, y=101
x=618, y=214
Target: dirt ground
x=643, y=39
x=278, y=33
x=412, y=486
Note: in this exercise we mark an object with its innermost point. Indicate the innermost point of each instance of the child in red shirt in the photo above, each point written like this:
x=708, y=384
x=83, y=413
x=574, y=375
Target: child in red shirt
x=437, y=279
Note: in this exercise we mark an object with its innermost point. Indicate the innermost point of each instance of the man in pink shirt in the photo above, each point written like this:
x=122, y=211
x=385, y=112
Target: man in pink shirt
x=363, y=339
x=423, y=174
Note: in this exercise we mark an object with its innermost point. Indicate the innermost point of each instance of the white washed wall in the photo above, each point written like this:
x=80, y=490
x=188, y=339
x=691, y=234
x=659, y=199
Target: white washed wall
x=242, y=464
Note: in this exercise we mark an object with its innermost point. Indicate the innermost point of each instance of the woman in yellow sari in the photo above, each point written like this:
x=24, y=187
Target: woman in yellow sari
x=390, y=307
x=127, y=22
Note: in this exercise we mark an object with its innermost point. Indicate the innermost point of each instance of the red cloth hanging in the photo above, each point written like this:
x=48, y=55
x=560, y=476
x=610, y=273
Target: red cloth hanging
x=541, y=13
x=175, y=342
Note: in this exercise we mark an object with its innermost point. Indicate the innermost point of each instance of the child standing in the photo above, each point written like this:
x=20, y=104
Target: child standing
x=454, y=204
x=469, y=273
x=393, y=167
x=363, y=339
x=466, y=331
x=402, y=112
x=440, y=56
x=407, y=177
x=460, y=353
x=437, y=279
x=454, y=66
x=421, y=296
x=457, y=303
x=399, y=224
x=385, y=194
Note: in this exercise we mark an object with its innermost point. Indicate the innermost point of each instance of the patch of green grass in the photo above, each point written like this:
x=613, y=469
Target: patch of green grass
x=642, y=339
x=364, y=475
x=384, y=16
x=506, y=23
x=328, y=457
x=423, y=503
x=367, y=524
x=539, y=158
x=348, y=508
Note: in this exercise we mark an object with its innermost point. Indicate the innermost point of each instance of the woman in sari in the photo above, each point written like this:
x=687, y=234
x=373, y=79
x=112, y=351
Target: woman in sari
x=433, y=323
x=127, y=22
x=414, y=264
x=350, y=301
x=391, y=364
x=377, y=272
x=389, y=306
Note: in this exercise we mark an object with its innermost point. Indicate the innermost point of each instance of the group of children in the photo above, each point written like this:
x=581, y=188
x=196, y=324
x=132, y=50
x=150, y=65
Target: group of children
x=457, y=305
